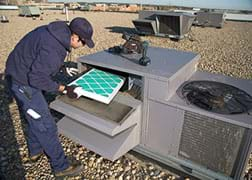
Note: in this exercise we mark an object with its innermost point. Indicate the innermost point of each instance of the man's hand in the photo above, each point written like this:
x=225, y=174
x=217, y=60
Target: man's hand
x=72, y=91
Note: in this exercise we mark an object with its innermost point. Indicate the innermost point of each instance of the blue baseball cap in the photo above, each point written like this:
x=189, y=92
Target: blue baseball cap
x=83, y=28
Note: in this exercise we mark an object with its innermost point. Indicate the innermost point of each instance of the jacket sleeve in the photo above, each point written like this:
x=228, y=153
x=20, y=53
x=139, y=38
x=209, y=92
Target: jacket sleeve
x=47, y=62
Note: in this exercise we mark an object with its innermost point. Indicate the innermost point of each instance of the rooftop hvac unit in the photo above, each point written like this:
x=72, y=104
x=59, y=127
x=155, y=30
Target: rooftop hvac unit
x=168, y=24
x=29, y=11
x=209, y=19
x=174, y=24
x=196, y=122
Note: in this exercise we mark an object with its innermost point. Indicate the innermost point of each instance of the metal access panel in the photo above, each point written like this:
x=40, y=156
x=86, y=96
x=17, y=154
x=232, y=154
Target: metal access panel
x=110, y=147
x=187, y=21
x=109, y=130
x=209, y=19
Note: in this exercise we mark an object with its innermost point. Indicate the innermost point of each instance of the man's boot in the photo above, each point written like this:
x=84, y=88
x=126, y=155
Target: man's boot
x=34, y=158
x=73, y=170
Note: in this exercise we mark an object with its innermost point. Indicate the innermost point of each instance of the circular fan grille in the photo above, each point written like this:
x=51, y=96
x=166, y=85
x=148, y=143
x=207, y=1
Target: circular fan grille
x=216, y=97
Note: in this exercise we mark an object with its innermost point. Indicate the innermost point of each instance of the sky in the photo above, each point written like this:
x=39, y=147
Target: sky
x=211, y=4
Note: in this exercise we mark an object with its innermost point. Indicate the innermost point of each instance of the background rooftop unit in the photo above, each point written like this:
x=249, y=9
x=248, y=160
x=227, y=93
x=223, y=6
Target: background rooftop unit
x=209, y=19
x=29, y=11
x=164, y=23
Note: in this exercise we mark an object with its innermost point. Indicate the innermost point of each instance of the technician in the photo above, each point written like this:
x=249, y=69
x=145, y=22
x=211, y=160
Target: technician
x=29, y=69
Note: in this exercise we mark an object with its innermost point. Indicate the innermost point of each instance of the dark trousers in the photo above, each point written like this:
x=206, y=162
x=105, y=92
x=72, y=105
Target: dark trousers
x=42, y=130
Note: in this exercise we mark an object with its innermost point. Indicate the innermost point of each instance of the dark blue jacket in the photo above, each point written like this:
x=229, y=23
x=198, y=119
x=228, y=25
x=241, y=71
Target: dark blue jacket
x=39, y=55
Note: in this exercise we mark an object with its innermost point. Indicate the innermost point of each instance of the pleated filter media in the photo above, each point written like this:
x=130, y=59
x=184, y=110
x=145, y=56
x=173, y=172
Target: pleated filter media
x=99, y=85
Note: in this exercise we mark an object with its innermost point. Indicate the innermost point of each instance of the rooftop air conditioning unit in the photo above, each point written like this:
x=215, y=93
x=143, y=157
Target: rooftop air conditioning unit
x=164, y=23
x=209, y=19
x=29, y=11
x=196, y=122
x=174, y=24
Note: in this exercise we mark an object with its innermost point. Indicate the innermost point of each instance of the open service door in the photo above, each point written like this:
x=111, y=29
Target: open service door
x=110, y=130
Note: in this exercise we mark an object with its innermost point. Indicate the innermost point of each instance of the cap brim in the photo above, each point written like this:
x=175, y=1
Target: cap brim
x=90, y=43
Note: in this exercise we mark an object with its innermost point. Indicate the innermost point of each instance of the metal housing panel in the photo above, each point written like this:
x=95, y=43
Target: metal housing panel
x=163, y=90
x=166, y=62
x=110, y=147
x=187, y=24
x=209, y=19
x=158, y=89
x=98, y=121
x=164, y=128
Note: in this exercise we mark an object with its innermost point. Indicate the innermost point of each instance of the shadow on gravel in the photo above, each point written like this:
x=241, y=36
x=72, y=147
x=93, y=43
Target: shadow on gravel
x=118, y=29
x=10, y=160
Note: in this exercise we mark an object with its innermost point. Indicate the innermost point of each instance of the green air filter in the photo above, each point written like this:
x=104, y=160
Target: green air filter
x=99, y=85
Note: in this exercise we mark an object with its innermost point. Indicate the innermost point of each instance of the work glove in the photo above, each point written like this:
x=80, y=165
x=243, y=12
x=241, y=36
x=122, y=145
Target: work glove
x=72, y=91
x=71, y=71
x=69, y=68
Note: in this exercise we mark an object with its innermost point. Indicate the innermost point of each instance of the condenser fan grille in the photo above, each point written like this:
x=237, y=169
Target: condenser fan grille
x=216, y=97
